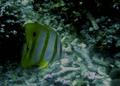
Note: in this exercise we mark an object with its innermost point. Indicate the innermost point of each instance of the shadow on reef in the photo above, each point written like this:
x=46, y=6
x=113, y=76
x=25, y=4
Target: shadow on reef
x=11, y=35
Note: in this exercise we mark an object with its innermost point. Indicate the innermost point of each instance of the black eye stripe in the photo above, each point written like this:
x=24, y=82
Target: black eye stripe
x=34, y=34
x=27, y=48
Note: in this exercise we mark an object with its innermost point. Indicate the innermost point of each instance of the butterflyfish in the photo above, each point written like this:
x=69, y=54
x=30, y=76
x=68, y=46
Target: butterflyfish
x=42, y=46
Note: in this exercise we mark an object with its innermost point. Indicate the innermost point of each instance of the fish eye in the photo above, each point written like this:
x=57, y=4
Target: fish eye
x=27, y=48
x=34, y=34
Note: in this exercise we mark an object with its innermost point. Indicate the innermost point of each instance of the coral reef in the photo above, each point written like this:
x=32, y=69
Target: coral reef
x=90, y=40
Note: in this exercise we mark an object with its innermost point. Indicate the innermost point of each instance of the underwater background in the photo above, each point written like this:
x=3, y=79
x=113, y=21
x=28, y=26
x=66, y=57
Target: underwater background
x=90, y=38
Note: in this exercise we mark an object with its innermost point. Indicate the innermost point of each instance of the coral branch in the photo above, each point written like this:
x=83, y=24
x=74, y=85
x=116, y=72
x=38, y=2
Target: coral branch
x=92, y=20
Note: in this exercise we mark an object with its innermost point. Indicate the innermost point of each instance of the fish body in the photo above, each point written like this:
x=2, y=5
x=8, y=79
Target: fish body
x=42, y=46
